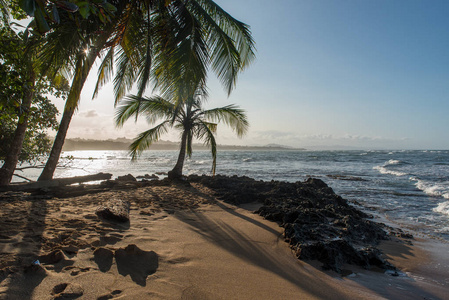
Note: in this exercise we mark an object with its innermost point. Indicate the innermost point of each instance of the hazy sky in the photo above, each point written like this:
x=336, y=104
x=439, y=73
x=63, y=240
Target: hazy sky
x=361, y=74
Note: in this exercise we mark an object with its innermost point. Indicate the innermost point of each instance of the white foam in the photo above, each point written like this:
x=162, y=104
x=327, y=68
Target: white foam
x=384, y=170
x=393, y=162
x=442, y=208
x=433, y=189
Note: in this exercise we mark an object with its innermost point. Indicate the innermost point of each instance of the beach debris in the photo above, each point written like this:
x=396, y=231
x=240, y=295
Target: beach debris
x=35, y=269
x=114, y=210
x=318, y=224
x=55, y=183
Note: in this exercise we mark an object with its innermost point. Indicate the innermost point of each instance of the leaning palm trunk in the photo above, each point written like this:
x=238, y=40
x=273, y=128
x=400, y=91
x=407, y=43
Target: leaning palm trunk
x=52, y=162
x=176, y=173
x=7, y=170
x=83, y=67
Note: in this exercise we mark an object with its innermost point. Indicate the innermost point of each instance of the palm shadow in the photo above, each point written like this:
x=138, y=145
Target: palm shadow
x=236, y=242
x=241, y=245
x=27, y=274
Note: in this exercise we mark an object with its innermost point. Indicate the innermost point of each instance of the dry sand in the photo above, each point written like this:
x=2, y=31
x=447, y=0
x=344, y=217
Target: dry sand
x=182, y=243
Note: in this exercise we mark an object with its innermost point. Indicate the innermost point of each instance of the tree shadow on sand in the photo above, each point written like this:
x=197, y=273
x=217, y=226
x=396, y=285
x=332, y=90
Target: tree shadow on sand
x=29, y=222
x=241, y=245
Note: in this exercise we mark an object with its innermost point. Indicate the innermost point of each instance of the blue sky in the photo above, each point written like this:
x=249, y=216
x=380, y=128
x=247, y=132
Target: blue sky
x=328, y=74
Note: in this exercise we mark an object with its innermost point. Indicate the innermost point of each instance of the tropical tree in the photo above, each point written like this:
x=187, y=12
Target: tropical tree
x=187, y=116
x=155, y=40
x=23, y=102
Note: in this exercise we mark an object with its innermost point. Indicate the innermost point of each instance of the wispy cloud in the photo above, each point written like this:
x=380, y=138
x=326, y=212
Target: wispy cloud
x=89, y=114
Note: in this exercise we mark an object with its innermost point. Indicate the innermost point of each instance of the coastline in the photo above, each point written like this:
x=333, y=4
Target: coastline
x=199, y=246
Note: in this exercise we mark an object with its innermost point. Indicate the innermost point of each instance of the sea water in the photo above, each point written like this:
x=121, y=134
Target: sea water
x=409, y=188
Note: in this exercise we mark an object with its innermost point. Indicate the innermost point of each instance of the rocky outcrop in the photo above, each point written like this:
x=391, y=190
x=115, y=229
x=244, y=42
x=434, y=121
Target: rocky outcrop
x=318, y=224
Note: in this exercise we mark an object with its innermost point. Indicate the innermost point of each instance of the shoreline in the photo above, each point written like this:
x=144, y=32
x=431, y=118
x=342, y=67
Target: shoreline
x=225, y=251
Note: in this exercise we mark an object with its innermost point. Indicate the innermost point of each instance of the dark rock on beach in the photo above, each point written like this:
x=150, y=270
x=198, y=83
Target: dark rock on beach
x=318, y=224
x=126, y=178
x=148, y=176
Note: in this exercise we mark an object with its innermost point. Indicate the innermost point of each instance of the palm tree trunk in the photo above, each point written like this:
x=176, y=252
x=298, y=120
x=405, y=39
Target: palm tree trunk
x=11, y=159
x=52, y=162
x=176, y=173
x=83, y=67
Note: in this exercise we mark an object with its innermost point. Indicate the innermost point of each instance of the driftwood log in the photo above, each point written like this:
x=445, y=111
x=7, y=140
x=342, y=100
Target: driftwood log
x=114, y=210
x=57, y=182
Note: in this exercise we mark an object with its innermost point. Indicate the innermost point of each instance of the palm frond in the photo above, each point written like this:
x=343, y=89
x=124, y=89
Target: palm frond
x=153, y=108
x=146, y=62
x=205, y=131
x=105, y=71
x=231, y=115
x=229, y=40
x=146, y=138
x=181, y=66
x=124, y=77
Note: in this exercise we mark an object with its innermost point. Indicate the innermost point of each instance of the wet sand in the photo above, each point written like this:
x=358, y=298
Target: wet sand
x=182, y=243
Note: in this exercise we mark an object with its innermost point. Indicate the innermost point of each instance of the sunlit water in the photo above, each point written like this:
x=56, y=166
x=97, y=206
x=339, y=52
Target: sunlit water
x=410, y=188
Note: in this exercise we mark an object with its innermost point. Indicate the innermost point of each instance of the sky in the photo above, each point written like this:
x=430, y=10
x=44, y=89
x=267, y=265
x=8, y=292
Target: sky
x=327, y=75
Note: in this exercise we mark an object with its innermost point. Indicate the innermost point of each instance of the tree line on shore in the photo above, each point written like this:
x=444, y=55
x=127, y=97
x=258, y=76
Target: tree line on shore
x=168, y=46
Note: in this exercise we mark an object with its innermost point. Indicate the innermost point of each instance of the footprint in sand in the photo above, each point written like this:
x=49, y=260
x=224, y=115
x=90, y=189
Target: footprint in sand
x=137, y=263
x=103, y=258
x=67, y=291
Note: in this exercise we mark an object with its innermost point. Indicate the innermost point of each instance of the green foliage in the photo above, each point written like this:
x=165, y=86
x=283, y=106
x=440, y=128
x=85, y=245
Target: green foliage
x=47, y=12
x=17, y=64
x=42, y=116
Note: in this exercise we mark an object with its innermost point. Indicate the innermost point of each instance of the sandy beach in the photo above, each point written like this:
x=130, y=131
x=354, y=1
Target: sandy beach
x=184, y=243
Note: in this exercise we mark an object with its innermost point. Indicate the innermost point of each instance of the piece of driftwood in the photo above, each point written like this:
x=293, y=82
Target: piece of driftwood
x=114, y=210
x=57, y=182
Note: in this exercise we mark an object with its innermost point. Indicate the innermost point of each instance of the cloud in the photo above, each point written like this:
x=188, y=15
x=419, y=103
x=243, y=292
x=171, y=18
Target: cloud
x=89, y=114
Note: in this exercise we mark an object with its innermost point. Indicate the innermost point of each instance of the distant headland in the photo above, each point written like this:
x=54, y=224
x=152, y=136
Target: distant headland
x=123, y=144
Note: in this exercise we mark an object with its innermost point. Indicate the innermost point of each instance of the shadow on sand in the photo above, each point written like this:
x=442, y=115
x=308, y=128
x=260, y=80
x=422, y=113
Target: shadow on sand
x=241, y=245
x=29, y=220
x=238, y=243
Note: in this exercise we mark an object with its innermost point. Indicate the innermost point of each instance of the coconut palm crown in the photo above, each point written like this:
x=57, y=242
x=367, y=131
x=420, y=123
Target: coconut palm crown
x=187, y=116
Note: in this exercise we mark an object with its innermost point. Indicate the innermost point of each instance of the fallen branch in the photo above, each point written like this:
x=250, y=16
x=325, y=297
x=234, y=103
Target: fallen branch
x=23, y=177
x=57, y=182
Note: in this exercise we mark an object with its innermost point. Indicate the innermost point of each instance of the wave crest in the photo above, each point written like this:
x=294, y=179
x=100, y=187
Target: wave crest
x=442, y=208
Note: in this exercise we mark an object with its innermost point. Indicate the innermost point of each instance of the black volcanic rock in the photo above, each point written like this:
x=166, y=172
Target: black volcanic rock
x=318, y=224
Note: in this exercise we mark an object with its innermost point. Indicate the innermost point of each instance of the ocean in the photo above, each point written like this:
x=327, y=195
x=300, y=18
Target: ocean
x=408, y=188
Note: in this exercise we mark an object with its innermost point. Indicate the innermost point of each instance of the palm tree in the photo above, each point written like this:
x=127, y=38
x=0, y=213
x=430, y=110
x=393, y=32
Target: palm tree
x=187, y=116
x=157, y=39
